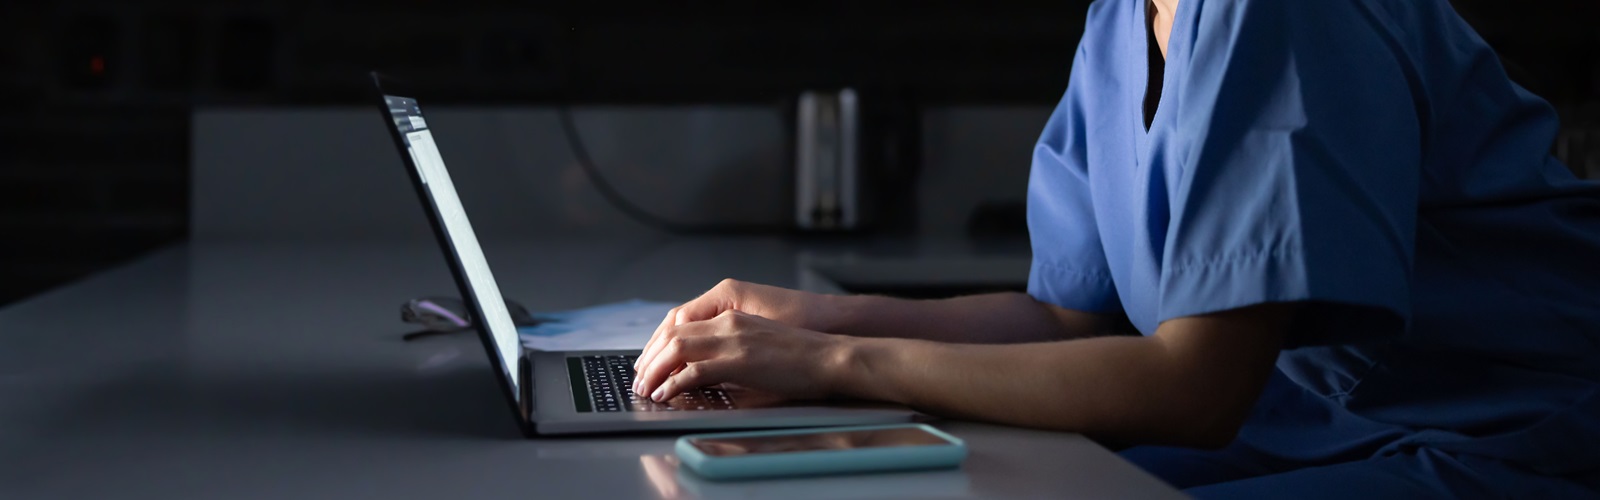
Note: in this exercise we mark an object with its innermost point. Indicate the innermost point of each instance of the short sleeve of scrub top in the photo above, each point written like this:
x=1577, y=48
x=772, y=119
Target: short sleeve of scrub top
x=1270, y=173
x=1069, y=264
x=1296, y=175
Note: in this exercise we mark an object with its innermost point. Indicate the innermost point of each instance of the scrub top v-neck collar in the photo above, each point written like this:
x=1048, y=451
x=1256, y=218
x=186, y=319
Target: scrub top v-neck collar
x=1156, y=60
x=1177, y=47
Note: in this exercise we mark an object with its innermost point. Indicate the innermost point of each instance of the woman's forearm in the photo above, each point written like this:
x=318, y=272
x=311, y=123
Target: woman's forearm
x=1191, y=384
x=989, y=318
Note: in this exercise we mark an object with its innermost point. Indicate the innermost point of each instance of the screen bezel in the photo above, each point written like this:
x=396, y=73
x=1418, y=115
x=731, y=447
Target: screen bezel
x=384, y=87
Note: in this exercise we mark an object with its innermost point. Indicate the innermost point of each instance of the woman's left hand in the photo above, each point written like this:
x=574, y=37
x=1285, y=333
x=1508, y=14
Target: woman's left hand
x=744, y=350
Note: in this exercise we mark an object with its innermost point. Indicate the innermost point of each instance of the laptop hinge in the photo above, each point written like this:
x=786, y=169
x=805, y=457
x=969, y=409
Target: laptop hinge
x=525, y=373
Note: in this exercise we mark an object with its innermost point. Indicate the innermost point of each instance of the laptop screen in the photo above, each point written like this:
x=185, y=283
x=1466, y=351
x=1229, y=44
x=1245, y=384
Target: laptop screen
x=482, y=290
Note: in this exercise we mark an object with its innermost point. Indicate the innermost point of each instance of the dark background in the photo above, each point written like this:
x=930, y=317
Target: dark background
x=95, y=97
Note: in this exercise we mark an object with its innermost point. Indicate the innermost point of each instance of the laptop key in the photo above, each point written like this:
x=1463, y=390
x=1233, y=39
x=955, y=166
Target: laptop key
x=610, y=381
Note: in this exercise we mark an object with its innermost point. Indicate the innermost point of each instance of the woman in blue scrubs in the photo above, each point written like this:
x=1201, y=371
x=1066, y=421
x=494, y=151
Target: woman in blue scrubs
x=1354, y=266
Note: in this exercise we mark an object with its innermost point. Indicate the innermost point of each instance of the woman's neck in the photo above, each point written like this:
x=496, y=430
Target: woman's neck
x=1161, y=14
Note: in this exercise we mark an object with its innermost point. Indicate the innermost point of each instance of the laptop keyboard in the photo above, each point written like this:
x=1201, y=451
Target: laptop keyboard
x=607, y=386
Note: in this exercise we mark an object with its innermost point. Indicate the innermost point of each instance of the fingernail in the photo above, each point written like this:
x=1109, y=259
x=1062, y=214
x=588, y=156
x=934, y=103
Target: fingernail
x=657, y=395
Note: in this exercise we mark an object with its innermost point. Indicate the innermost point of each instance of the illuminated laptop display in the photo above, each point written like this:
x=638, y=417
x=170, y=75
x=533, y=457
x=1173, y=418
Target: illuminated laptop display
x=453, y=219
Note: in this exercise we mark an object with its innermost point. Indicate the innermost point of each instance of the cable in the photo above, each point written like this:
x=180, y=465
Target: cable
x=640, y=215
x=614, y=197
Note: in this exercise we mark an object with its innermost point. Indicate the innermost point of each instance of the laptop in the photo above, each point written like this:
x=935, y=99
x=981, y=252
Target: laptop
x=576, y=392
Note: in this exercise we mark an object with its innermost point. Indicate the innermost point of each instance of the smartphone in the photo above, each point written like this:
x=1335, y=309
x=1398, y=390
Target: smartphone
x=831, y=450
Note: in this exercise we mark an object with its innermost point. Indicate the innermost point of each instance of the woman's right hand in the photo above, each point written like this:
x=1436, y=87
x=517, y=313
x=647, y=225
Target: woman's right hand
x=806, y=310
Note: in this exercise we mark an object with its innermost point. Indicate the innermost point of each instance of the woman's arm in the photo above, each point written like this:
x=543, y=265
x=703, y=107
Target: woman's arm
x=991, y=318
x=996, y=318
x=1191, y=384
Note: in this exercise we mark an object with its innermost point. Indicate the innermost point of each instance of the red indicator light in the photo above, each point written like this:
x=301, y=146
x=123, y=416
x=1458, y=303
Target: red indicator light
x=97, y=65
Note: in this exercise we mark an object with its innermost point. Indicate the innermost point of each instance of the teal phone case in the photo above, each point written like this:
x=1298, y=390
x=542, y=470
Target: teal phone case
x=806, y=463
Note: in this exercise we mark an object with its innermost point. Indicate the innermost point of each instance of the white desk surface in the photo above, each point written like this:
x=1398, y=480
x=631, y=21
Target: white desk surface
x=253, y=370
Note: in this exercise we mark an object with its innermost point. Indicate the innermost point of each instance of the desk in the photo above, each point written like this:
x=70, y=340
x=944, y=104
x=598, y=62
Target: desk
x=215, y=370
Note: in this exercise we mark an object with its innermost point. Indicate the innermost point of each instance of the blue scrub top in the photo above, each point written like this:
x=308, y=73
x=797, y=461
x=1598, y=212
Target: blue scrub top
x=1368, y=158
